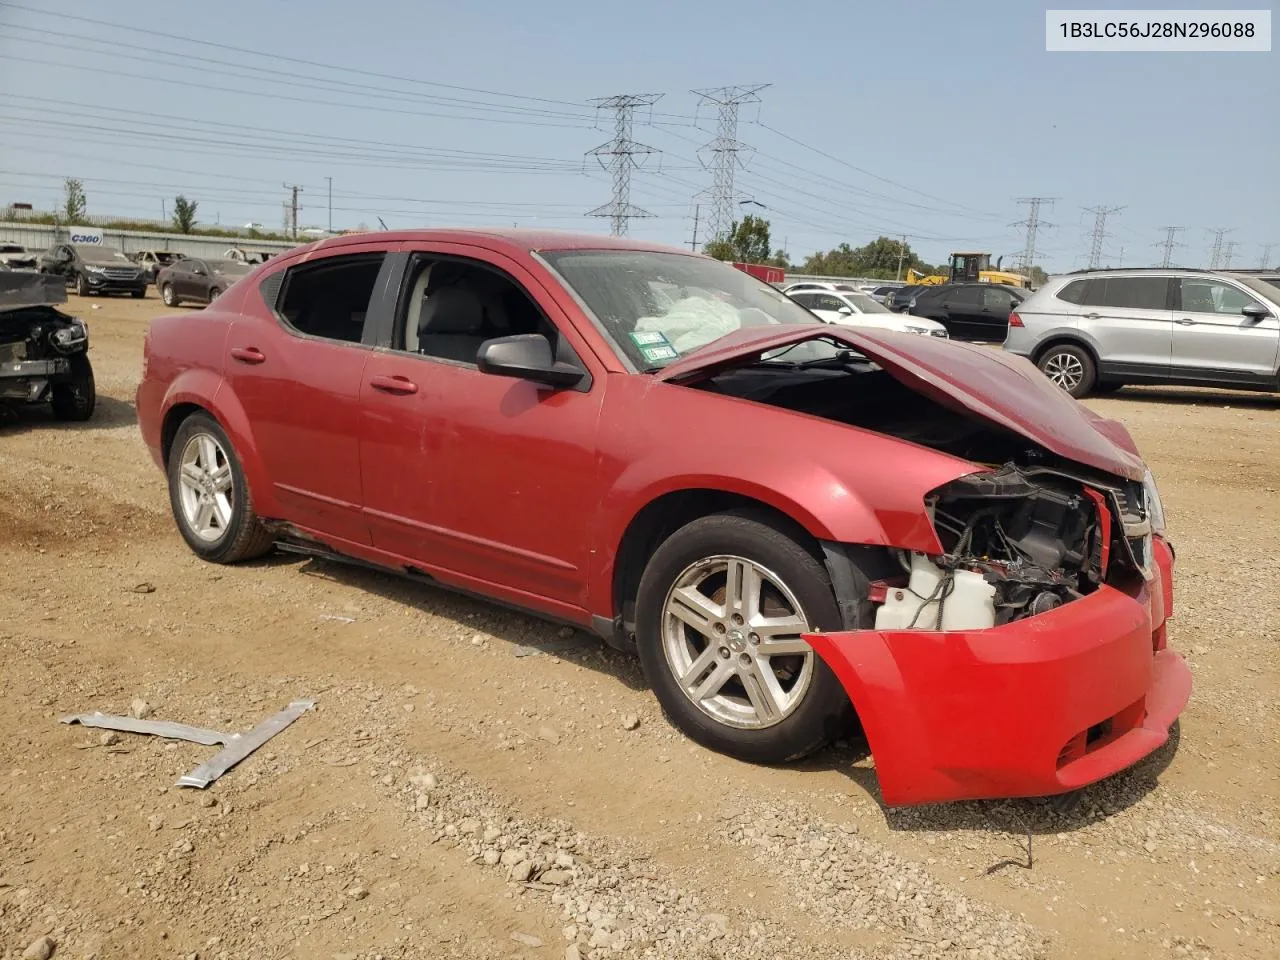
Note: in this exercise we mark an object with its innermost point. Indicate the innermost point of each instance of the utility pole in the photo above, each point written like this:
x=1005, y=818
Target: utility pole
x=1120, y=259
x=1027, y=259
x=902, y=253
x=164, y=211
x=1100, y=215
x=693, y=244
x=621, y=152
x=1215, y=256
x=1170, y=241
x=294, y=190
x=330, y=179
x=724, y=151
x=1266, y=256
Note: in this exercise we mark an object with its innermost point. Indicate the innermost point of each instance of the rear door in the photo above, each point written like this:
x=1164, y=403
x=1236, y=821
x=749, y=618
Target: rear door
x=1130, y=322
x=997, y=304
x=961, y=312
x=298, y=377
x=1213, y=339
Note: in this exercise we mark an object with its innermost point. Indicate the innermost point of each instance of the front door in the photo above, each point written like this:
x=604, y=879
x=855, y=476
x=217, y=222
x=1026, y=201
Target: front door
x=298, y=378
x=1213, y=339
x=962, y=309
x=487, y=482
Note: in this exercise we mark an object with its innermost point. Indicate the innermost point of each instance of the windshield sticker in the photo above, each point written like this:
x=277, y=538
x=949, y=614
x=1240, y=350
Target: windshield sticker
x=649, y=338
x=662, y=351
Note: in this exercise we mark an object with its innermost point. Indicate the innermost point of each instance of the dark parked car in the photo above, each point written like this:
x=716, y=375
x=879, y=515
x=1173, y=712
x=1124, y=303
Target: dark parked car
x=976, y=312
x=94, y=269
x=196, y=280
x=44, y=353
x=899, y=299
x=528, y=416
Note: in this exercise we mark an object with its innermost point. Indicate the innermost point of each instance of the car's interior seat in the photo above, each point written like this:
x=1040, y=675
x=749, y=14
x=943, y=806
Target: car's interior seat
x=451, y=324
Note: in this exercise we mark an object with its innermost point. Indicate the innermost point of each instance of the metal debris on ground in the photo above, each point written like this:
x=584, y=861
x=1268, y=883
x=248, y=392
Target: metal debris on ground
x=236, y=746
x=551, y=646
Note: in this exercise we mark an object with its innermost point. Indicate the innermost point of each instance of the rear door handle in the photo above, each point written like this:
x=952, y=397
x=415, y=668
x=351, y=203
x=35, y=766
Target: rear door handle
x=397, y=385
x=1093, y=316
x=1185, y=322
x=248, y=354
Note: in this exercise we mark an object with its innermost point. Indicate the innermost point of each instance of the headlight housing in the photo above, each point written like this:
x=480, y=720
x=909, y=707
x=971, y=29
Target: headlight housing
x=1155, y=508
x=923, y=331
x=90, y=268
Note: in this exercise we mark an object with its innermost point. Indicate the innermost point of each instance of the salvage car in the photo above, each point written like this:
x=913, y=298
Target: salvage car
x=198, y=280
x=797, y=526
x=93, y=269
x=44, y=353
x=153, y=261
x=14, y=256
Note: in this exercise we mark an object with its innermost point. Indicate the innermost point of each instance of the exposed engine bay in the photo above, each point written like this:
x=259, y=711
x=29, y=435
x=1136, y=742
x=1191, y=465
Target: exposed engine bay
x=1030, y=534
x=43, y=351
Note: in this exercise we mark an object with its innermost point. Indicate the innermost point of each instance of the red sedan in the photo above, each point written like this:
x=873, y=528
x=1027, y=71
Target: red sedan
x=796, y=526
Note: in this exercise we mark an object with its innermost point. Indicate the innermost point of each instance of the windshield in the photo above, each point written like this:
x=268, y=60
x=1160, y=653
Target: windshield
x=865, y=304
x=658, y=307
x=1268, y=286
x=231, y=268
x=99, y=255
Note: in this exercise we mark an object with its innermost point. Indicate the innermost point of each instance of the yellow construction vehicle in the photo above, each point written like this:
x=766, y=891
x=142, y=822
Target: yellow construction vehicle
x=970, y=268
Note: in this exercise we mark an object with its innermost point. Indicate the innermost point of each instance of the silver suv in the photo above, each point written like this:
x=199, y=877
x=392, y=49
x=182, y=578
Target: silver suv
x=1096, y=330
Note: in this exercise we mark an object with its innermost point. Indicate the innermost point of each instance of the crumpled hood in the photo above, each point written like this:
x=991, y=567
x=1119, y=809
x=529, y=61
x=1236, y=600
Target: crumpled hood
x=998, y=387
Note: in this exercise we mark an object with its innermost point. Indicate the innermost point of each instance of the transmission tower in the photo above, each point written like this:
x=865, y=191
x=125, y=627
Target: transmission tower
x=619, y=155
x=1266, y=256
x=1100, y=215
x=1027, y=259
x=724, y=151
x=1215, y=255
x=1170, y=241
x=1228, y=251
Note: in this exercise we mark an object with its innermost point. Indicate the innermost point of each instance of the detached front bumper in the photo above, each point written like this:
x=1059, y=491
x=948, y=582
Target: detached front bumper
x=1037, y=707
x=26, y=381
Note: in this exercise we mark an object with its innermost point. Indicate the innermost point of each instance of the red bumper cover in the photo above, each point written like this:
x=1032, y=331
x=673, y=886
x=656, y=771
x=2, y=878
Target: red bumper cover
x=1032, y=708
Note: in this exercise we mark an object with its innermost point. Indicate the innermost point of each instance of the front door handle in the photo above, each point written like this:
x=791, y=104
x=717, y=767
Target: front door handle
x=1185, y=322
x=1093, y=316
x=397, y=385
x=248, y=354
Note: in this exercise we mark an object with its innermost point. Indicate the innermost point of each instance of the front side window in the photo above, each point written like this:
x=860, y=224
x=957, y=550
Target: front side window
x=658, y=307
x=329, y=298
x=1214, y=296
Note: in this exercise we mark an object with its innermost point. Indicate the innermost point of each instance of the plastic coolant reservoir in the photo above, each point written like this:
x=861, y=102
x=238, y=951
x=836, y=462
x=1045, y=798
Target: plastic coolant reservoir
x=970, y=604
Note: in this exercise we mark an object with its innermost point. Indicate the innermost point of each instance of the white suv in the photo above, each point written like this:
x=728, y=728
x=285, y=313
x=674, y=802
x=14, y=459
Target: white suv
x=1098, y=330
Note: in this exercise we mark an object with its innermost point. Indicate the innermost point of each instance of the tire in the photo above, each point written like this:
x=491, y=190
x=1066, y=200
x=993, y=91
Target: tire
x=82, y=285
x=74, y=399
x=813, y=708
x=1107, y=387
x=1070, y=367
x=168, y=296
x=139, y=294
x=214, y=294
x=230, y=530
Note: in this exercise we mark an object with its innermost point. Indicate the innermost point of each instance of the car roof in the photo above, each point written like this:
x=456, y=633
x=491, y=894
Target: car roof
x=524, y=240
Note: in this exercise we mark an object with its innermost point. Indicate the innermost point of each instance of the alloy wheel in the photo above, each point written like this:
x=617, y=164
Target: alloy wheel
x=731, y=634
x=206, y=487
x=1064, y=369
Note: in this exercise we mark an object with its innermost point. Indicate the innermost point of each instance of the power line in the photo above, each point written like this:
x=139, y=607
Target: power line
x=1170, y=241
x=1033, y=223
x=725, y=150
x=622, y=151
x=1100, y=215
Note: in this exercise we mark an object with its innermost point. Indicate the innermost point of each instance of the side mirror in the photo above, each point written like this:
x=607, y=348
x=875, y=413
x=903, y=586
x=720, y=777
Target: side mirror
x=1256, y=312
x=526, y=356
x=845, y=311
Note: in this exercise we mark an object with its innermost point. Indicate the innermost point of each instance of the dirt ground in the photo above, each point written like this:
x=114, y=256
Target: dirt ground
x=474, y=783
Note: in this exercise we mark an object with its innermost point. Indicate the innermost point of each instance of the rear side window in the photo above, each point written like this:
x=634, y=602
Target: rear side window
x=1074, y=292
x=1133, y=293
x=329, y=298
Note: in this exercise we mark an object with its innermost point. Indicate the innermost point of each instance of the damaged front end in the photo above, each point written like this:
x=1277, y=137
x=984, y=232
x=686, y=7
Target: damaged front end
x=1028, y=658
x=43, y=351
x=1018, y=542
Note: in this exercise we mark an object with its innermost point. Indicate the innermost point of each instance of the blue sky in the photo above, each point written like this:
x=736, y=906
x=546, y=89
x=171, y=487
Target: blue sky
x=933, y=118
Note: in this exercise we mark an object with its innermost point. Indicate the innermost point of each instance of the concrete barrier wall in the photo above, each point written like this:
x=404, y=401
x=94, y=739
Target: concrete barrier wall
x=41, y=236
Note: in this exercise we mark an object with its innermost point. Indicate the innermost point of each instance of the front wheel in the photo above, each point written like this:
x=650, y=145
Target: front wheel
x=210, y=499
x=139, y=294
x=1070, y=367
x=720, y=612
x=168, y=296
x=73, y=400
x=82, y=285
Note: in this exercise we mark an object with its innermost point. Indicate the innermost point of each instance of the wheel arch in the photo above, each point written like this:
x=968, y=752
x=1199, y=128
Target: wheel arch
x=1066, y=339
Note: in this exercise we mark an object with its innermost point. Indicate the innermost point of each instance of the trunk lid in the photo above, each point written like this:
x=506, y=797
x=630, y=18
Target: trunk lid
x=998, y=387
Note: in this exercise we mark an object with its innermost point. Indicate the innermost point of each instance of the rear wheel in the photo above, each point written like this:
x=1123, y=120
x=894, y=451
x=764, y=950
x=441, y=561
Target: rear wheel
x=1070, y=367
x=210, y=499
x=74, y=399
x=214, y=294
x=720, y=611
